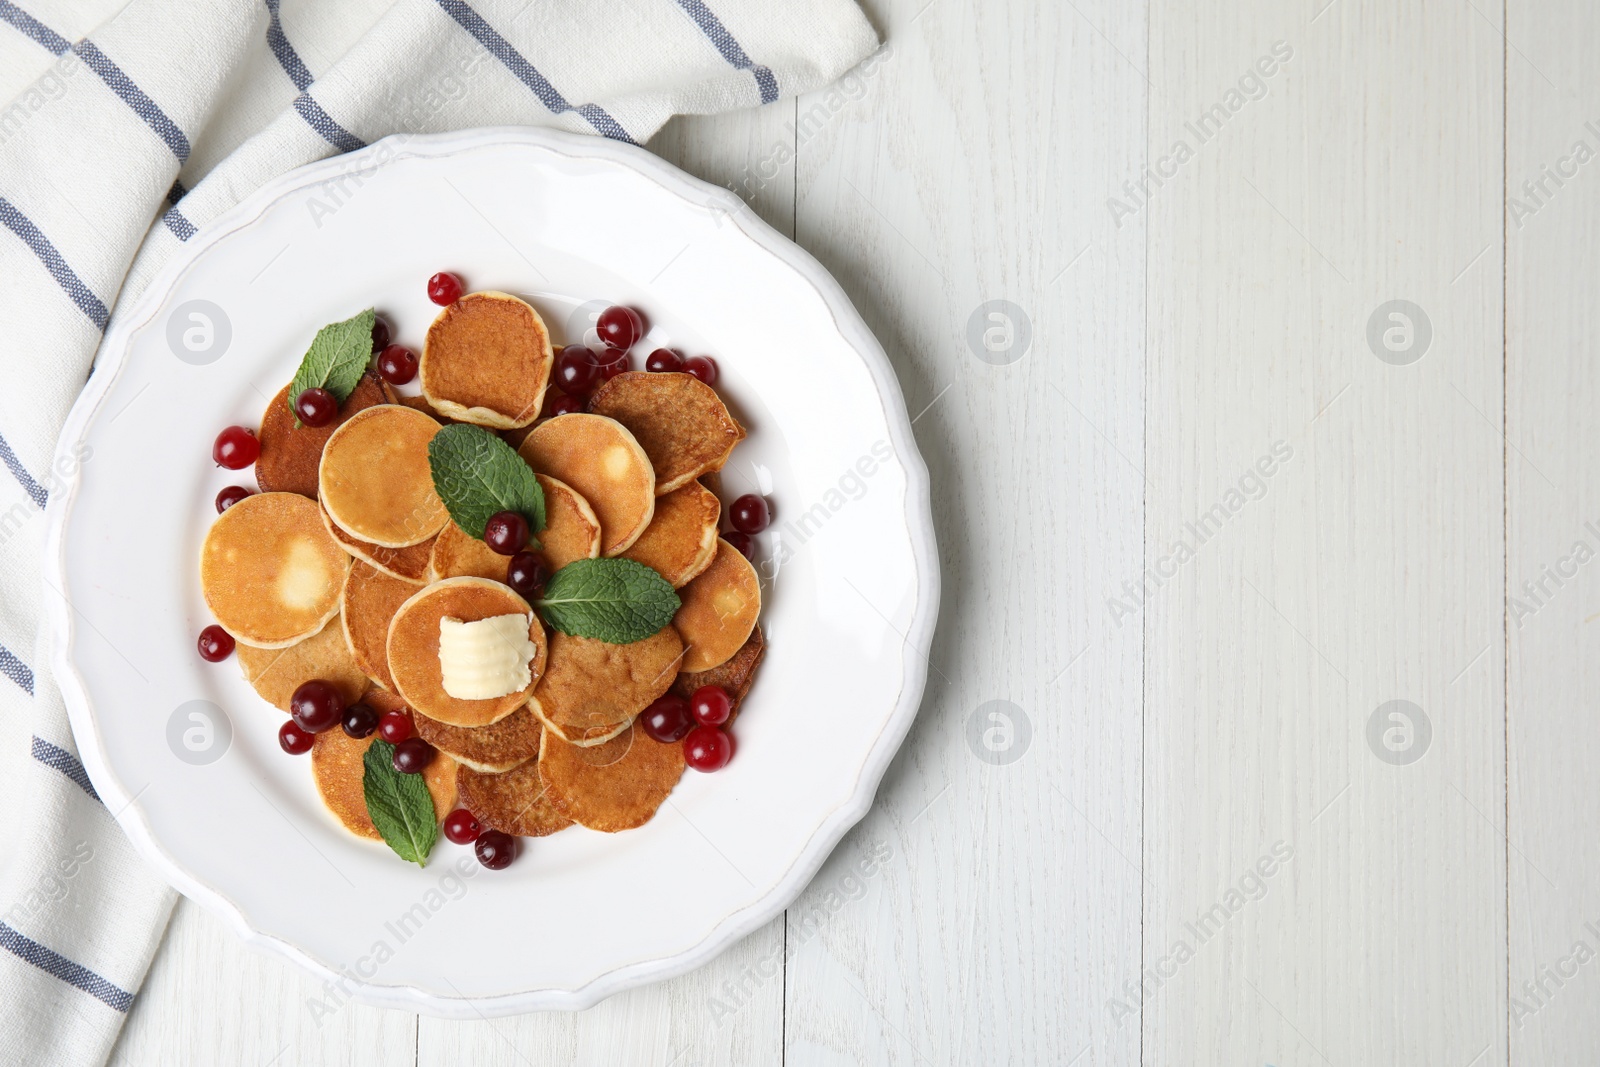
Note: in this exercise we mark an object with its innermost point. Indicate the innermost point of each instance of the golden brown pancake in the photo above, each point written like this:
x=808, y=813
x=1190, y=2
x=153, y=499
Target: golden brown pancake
x=277, y=672
x=571, y=528
x=719, y=610
x=614, y=786
x=491, y=749
x=336, y=765
x=409, y=564
x=422, y=404
x=600, y=459
x=369, y=603
x=680, y=421
x=514, y=802
x=457, y=554
x=591, y=687
x=414, y=649
x=290, y=454
x=382, y=701
x=734, y=676
x=270, y=572
x=681, y=539
x=487, y=360
x=375, y=480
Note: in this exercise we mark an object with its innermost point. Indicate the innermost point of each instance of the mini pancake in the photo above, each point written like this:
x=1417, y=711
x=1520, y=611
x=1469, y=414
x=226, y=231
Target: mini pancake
x=486, y=360
x=277, y=672
x=457, y=554
x=599, y=459
x=336, y=765
x=571, y=532
x=591, y=688
x=719, y=609
x=734, y=676
x=492, y=749
x=422, y=404
x=414, y=649
x=369, y=603
x=290, y=454
x=681, y=422
x=681, y=540
x=269, y=571
x=375, y=480
x=515, y=802
x=409, y=564
x=614, y=786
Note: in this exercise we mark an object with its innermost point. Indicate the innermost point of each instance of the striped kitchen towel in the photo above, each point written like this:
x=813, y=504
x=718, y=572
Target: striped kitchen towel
x=126, y=125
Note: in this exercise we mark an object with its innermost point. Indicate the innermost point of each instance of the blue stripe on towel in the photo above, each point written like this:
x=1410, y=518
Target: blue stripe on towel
x=181, y=227
x=54, y=963
x=87, y=302
x=134, y=97
x=731, y=50
x=60, y=759
x=288, y=58
x=35, y=29
x=323, y=123
x=8, y=456
x=15, y=669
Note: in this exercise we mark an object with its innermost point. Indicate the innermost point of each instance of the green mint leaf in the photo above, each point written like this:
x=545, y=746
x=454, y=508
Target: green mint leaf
x=618, y=601
x=477, y=474
x=400, y=804
x=336, y=360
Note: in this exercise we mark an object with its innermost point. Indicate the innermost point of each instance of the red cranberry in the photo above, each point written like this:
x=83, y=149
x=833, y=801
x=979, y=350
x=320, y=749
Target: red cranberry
x=444, y=288
x=394, y=726
x=707, y=748
x=612, y=363
x=461, y=827
x=749, y=514
x=576, y=370
x=702, y=367
x=315, y=706
x=565, y=405
x=236, y=448
x=742, y=542
x=495, y=850
x=619, y=327
x=667, y=720
x=316, y=407
x=412, y=755
x=663, y=361
x=380, y=333
x=360, y=721
x=711, y=705
x=294, y=740
x=216, y=644
x=398, y=364
x=506, y=532
x=526, y=573
x=230, y=496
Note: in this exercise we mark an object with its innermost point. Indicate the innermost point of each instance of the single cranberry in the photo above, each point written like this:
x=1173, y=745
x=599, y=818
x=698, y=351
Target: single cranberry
x=398, y=364
x=461, y=827
x=707, y=748
x=230, y=496
x=526, y=573
x=619, y=327
x=236, y=448
x=380, y=333
x=444, y=288
x=711, y=705
x=506, y=532
x=394, y=726
x=612, y=363
x=216, y=644
x=668, y=719
x=749, y=514
x=565, y=405
x=663, y=361
x=294, y=740
x=576, y=370
x=741, y=541
x=360, y=721
x=412, y=755
x=315, y=706
x=495, y=849
x=316, y=407
x=702, y=367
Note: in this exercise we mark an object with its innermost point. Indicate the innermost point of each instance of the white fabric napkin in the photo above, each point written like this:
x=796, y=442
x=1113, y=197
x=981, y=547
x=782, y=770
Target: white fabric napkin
x=127, y=125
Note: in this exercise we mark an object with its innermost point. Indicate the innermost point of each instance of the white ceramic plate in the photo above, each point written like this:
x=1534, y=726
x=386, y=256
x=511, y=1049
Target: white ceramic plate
x=849, y=568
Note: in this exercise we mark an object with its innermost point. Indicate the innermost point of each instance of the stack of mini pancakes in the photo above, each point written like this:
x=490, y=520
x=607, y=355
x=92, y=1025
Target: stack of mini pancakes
x=342, y=567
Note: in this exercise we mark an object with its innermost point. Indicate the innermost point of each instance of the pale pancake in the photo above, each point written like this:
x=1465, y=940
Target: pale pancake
x=269, y=571
x=614, y=786
x=369, y=602
x=513, y=802
x=290, y=454
x=277, y=672
x=590, y=688
x=375, y=480
x=414, y=648
x=734, y=676
x=681, y=540
x=336, y=764
x=600, y=459
x=719, y=609
x=679, y=420
x=487, y=360
x=409, y=564
x=491, y=749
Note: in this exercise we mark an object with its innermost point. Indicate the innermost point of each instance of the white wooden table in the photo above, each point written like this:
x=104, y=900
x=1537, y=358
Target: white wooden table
x=1198, y=534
